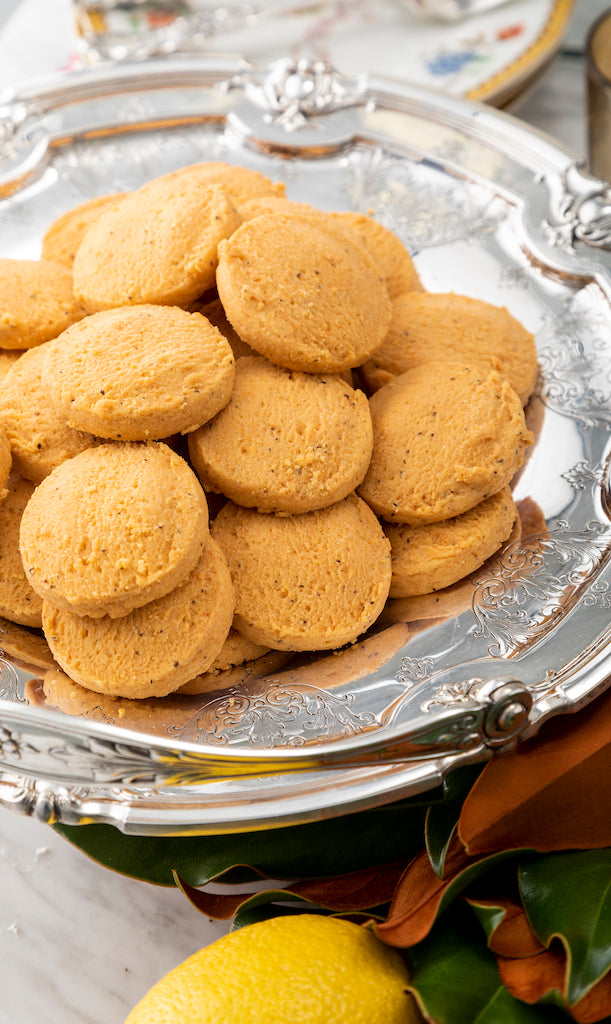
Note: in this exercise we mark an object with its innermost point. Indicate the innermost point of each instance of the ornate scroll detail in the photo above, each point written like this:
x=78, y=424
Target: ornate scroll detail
x=462, y=733
x=535, y=584
x=450, y=694
x=107, y=761
x=293, y=92
x=580, y=217
x=583, y=475
x=574, y=354
x=9, y=682
x=413, y=671
x=275, y=716
x=418, y=203
x=13, y=746
x=598, y=595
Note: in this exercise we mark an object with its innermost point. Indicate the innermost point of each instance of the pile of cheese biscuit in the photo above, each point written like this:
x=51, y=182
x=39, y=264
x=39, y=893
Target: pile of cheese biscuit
x=233, y=423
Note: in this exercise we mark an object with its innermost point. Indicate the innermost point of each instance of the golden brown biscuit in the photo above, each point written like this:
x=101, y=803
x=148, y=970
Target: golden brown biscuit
x=139, y=372
x=26, y=646
x=299, y=291
x=209, y=682
x=454, y=328
x=240, y=183
x=213, y=310
x=161, y=716
x=40, y=437
x=309, y=582
x=5, y=463
x=114, y=528
x=63, y=237
x=286, y=442
x=154, y=649
x=273, y=204
x=428, y=558
x=450, y=601
x=386, y=250
x=18, y=601
x=229, y=666
x=8, y=357
x=36, y=302
x=159, y=245
x=446, y=437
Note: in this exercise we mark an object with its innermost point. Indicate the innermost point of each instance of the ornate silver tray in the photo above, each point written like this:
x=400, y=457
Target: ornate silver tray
x=490, y=209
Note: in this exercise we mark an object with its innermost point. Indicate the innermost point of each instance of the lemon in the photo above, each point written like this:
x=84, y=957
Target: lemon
x=302, y=969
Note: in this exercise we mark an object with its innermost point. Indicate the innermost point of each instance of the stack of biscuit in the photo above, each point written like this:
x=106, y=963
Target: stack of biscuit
x=349, y=436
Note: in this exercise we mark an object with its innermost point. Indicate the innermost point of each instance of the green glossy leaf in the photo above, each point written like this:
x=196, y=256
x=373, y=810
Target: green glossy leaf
x=569, y=895
x=442, y=816
x=456, y=981
x=314, y=850
x=264, y=912
x=489, y=916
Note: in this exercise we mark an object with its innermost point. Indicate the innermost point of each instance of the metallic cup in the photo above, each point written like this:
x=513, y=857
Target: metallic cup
x=598, y=59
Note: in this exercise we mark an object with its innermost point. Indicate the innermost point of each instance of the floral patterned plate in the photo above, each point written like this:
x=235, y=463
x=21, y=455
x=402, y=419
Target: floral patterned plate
x=492, y=56
x=489, y=209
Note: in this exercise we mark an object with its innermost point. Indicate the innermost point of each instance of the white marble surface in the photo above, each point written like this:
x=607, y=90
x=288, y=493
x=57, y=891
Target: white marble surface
x=80, y=944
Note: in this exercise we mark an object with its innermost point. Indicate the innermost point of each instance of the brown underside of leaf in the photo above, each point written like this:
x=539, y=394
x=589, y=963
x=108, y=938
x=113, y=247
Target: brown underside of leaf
x=350, y=893
x=552, y=793
x=531, y=978
x=513, y=937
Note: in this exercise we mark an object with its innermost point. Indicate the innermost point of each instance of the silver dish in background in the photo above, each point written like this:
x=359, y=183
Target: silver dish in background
x=489, y=209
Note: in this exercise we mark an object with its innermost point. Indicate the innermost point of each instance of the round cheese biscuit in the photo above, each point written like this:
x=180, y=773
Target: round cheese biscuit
x=26, y=645
x=240, y=183
x=114, y=528
x=273, y=204
x=446, y=436
x=386, y=250
x=6, y=462
x=428, y=558
x=8, y=357
x=454, y=328
x=156, y=715
x=36, y=302
x=158, y=245
x=153, y=649
x=286, y=442
x=139, y=372
x=63, y=237
x=39, y=436
x=305, y=583
x=18, y=601
x=301, y=292
x=213, y=310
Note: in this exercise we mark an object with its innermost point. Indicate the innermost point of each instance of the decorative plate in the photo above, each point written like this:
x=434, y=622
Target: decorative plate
x=489, y=209
x=492, y=55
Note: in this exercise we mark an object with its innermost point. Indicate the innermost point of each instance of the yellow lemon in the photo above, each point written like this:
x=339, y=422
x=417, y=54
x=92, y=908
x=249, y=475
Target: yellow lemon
x=302, y=969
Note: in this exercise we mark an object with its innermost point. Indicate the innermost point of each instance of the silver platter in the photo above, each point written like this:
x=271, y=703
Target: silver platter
x=489, y=209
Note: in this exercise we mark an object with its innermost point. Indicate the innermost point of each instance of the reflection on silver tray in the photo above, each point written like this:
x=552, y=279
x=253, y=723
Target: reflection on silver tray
x=488, y=209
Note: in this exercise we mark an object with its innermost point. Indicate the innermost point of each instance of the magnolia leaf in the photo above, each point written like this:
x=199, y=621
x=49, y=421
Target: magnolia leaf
x=420, y=895
x=442, y=816
x=568, y=896
x=313, y=850
x=355, y=892
x=506, y=926
x=542, y=977
x=263, y=912
x=552, y=793
x=455, y=980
